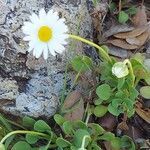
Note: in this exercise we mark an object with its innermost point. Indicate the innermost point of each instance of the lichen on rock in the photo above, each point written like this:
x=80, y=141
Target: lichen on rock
x=37, y=83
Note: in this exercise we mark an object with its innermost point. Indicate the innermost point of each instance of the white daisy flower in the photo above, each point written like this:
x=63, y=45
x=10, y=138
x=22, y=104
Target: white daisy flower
x=46, y=33
x=120, y=69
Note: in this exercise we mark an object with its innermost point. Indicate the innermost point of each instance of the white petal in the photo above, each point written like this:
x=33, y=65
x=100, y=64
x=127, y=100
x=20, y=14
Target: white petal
x=34, y=18
x=51, y=47
x=52, y=51
x=40, y=48
x=59, y=49
x=31, y=46
x=30, y=49
x=42, y=14
x=28, y=28
x=34, y=52
x=27, y=38
x=39, y=53
x=60, y=28
x=61, y=38
x=45, y=53
x=52, y=18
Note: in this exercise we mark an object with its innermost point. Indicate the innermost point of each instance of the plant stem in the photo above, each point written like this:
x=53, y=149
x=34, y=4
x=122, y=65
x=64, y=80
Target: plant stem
x=23, y=132
x=87, y=118
x=126, y=61
x=102, y=51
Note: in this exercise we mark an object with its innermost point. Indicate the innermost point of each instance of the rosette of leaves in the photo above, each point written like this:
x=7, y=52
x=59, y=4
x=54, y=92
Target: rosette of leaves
x=81, y=136
x=116, y=95
x=29, y=141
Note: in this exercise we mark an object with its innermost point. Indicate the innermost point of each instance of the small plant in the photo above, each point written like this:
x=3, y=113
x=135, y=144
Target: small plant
x=81, y=136
x=117, y=92
x=75, y=135
x=123, y=15
x=35, y=131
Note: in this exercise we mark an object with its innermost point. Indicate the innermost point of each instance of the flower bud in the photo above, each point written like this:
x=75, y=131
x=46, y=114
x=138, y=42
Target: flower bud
x=120, y=69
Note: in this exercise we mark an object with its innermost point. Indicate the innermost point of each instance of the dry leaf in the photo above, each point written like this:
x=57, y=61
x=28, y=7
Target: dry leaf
x=139, y=40
x=144, y=114
x=123, y=126
x=107, y=145
x=122, y=43
x=133, y=41
x=119, y=52
x=143, y=38
x=117, y=29
x=71, y=99
x=134, y=33
x=108, y=122
x=73, y=106
x=76, y=113
x=140, y=19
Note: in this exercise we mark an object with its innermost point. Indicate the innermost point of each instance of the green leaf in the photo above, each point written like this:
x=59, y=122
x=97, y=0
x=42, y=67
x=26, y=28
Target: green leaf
x=147, y=80
x=116, y=143
x=8, y=141
x=100, y=110
x=113, y=110
x=21, y=145
x=5, y=123
x=78, y=124
x=96, y=129
x=2, y=147
x=62, y=143
x=112, y=7
x=74, y=148
x=81, y=63
x=95, y=2
x=28, y=122
x=129, y=103
x=147, y=64
x=108, y=136
x=139, y=57
x=130, y=112
x=67, y=127
x=133, y=94
x=117, y=102
x=78, y=137
x=145, y=92
x=95, y=147
x=98, y=101
x=103, y=91
x=121, y=82
x=59, y=119
x=120, y=94
x=41, y=126
x=127, y=143
x=31, y=139
x=123, y=17
x=132, y=10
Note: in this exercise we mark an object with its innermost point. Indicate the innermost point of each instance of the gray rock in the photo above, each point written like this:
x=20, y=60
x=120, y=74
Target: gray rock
x=8, y=89
x=38, y=82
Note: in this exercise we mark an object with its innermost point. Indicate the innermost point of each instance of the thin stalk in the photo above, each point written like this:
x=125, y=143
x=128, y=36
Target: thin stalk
x=126, y=61
x=23, y=132
x=87, y=118
x=102, y=51
x=15, y=124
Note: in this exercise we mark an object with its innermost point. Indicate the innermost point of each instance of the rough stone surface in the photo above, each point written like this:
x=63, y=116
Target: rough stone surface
x=34, y=85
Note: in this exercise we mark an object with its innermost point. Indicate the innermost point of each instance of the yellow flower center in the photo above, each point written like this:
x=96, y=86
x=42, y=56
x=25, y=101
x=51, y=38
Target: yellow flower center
x=45, y=33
